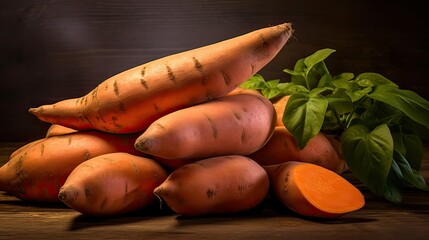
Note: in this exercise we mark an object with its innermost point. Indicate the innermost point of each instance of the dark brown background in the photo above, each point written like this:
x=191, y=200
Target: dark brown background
x=57, y=49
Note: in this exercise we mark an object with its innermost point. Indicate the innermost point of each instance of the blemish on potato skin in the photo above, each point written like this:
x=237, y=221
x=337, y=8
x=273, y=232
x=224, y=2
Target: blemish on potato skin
x=212, y=126
x=226, y=78
x=286, y=183
x=103, y=204
x=42, y=149
x=86, y=155
x=199, y=68
x=244, y=137
x=171, y=75
x=87, y=192
x=211, y=193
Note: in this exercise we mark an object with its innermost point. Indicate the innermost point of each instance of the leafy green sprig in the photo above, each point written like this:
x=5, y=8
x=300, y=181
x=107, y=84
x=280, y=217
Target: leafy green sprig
x=381, y=126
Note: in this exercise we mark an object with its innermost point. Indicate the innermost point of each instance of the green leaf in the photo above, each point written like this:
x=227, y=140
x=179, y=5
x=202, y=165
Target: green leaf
x=369, y=154
x=410, y=175
x=304, y=115
x=256, y=82
x=340, y=102
x=343, y=77
x=378, y=113
x=298, y=73
x=394, y=184
x=409, y=145
x=317, y=57
x=371, y=79
x=410, y=103
x=356, y=93
x=271, y=89
x=401, y=172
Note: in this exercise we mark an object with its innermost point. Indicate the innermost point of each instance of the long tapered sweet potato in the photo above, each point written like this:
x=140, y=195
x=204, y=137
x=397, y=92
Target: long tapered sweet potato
x=282, y=147
x=313, y=191
x=37, y=172
x=218, y=185
x=112, y=184
x=130, y=101
x=237, y=124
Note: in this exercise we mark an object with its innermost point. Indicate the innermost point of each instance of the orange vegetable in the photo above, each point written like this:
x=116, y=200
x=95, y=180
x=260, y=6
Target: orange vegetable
x=237, y=124
x=279, y=106
x=56, y=129
x=37, y=172
x=218, y=185
x=112, y=184
x=130, y=101
x=282, y=147
x=313, y=191
x=24, y=147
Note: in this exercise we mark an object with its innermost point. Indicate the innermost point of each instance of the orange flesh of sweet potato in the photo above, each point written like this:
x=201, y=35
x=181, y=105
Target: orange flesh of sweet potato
x=313, y=191
x=130, y=101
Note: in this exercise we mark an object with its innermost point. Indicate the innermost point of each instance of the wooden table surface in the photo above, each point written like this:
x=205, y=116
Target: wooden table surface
x=377, y=219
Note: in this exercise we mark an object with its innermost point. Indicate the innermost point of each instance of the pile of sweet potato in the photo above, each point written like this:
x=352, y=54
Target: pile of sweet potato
x=180, y=129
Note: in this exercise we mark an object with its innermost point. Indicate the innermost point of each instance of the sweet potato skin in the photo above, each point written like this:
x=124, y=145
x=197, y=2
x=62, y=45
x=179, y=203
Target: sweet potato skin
x=131, y=100
x=212, y=186
x=280, y=106
x=235, y=124
x=282, y=147
x=37, y=172
x=313, y=191
x=112, y=184
x=56, y=129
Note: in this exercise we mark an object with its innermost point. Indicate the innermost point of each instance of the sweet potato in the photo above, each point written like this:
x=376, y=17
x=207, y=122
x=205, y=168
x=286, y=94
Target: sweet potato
x=279, y=106
x=56, y=129
x=336, y=144
x=24, y=147
x=112, y=184
x=130, y=101
x=212, y=186
x=37, y=172
x=313, y=191
x=237, y=124
x=282, y=147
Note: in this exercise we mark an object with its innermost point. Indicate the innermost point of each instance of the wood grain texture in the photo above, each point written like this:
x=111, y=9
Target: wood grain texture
x=52, y=50
x=378, y=219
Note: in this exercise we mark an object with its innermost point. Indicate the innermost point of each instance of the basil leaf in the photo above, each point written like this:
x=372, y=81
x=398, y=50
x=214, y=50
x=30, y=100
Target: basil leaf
x=368, y=154
x=343, y=77
x=409, y=145
x=256, y=82
x=340, y=102
x=371, y=79
x=298, y=73
x=410, y=175
x=271, y=89
x=304, y=115
x=394, y=184
x=410, y=103
x=317, y=57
